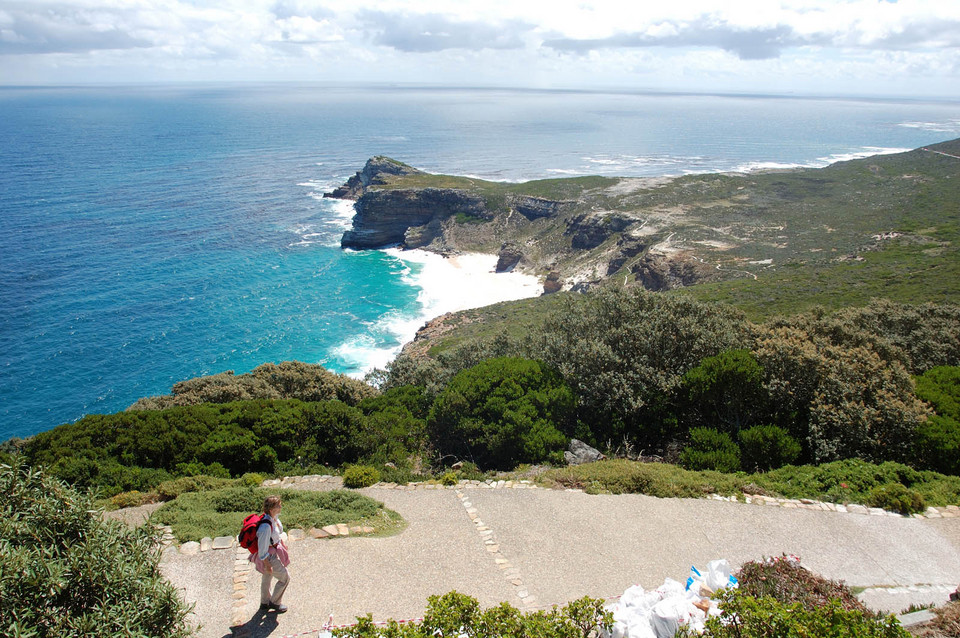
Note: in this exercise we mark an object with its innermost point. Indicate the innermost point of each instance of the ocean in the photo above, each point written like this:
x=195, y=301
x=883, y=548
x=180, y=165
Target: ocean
x=152, y=234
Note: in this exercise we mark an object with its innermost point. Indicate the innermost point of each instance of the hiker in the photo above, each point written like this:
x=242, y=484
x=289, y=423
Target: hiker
x=272, y=558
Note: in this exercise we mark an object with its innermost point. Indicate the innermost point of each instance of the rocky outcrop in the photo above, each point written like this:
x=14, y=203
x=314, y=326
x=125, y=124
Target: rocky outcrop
x=589, y=230
x=375, y=172
x=384, y=217
x=627, y=249
x=659, y=272
x=508, y=257
x=552, y=283
x=537, y=207
x=579, y=453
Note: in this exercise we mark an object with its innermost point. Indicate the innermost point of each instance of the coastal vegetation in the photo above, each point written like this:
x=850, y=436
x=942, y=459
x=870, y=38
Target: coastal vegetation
x=858, y=405
x=66, y=573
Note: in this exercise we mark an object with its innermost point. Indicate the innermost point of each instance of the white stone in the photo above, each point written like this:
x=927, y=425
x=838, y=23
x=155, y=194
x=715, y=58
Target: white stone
x=190, y=548
x=223, y=542
x=206, y=544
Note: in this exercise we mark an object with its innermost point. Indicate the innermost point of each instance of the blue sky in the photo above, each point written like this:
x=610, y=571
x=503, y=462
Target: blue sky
x=863, y=47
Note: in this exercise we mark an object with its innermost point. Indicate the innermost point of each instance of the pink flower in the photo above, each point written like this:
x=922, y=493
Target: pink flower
x=844, y=485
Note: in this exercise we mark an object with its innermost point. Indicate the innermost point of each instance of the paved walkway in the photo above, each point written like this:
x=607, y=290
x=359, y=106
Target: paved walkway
x=536, y=548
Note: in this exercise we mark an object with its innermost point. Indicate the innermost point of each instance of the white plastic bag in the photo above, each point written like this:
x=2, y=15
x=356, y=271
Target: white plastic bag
x=719, y=575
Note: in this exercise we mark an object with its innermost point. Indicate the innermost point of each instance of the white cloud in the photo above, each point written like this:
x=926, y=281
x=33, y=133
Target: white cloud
x=686, y=44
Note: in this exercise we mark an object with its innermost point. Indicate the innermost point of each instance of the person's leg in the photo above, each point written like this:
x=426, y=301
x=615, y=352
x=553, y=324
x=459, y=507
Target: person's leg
x=265, y=588
x=283, y=579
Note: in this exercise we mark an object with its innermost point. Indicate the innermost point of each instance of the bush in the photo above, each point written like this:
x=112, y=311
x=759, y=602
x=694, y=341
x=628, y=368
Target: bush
x=896, y=498
x=65, y=572
x=169, y=490
x=726, y=391
x=449, y=478
x=938, y=440
x=130, y=499
x=767, y=447
x=503, y=412
x=252, y=479
x=455, y=614
x=710, y=450
x=358, y=476
x=787, y=581
x=622, y=351
x=743, y=615
x=620, y=476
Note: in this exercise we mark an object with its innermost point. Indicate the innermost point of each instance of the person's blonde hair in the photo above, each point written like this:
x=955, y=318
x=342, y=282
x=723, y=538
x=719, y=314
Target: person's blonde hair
x=270, y=502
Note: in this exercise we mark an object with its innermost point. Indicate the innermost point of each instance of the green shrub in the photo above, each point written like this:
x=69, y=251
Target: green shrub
x=620, y=476
x=455, y=614
x=503, y=412
x=938, y=440
x=220, y=512
x=252, y=479
x=743, y=615
x=169, y=490
x=896, y=498
x=851, y=481
x=938, y=445
x=129, y=499
x=726, y=391
x=66, y=573
x=449, y=478
x=767, y=447
x=710, y=450
x=357, y=476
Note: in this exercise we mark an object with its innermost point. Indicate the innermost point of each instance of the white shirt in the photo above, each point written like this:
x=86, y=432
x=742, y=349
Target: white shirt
x=268, y=535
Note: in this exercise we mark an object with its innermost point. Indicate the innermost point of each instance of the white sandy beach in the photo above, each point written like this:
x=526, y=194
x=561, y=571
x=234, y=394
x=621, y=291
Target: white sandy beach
x=465, y=281
x=446, y=285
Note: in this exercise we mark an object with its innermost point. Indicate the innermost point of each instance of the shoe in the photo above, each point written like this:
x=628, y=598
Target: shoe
x=278, y=607
x=264, y=606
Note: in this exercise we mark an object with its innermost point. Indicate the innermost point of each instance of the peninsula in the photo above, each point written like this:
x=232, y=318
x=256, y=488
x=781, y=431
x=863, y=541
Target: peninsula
x=764, y=228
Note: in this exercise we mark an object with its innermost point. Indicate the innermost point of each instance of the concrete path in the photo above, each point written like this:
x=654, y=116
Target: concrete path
x=536, y=548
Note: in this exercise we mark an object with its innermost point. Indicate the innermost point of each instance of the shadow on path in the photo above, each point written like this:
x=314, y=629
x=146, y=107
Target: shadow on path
x=263, y=623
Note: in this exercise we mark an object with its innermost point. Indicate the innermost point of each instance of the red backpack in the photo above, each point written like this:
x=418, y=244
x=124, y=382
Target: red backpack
x=248, y=532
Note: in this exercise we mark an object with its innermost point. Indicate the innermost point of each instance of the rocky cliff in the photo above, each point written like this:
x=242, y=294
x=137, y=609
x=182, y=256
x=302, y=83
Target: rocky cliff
x=411, y=218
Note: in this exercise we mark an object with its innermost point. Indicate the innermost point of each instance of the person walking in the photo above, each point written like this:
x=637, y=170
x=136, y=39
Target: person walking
x=272, y=557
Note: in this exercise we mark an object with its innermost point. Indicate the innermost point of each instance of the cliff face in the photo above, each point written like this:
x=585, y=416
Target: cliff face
x=411, y=218
x=375, y=172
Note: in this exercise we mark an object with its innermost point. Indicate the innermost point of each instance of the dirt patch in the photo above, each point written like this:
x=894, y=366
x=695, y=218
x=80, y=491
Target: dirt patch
x=631, y=185
x=133, y=516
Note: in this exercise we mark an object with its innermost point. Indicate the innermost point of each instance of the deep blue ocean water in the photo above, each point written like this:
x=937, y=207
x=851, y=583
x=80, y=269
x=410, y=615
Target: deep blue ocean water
x=153, y=234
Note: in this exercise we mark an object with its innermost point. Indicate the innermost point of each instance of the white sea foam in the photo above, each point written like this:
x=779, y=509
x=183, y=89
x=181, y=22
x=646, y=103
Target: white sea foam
x=820, y=162
x=946, y=126
x=446, y=285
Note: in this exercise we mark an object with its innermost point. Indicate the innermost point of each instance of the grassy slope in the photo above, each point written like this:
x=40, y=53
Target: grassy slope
x=817, y=227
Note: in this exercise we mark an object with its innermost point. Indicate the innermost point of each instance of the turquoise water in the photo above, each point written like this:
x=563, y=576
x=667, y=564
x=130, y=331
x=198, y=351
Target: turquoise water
x=149, y=235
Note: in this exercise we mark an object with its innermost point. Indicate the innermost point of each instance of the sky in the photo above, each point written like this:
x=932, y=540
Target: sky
x=905, y=48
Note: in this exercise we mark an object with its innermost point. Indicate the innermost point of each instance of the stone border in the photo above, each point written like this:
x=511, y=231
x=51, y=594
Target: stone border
x=950, y=511
x=510, y=573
